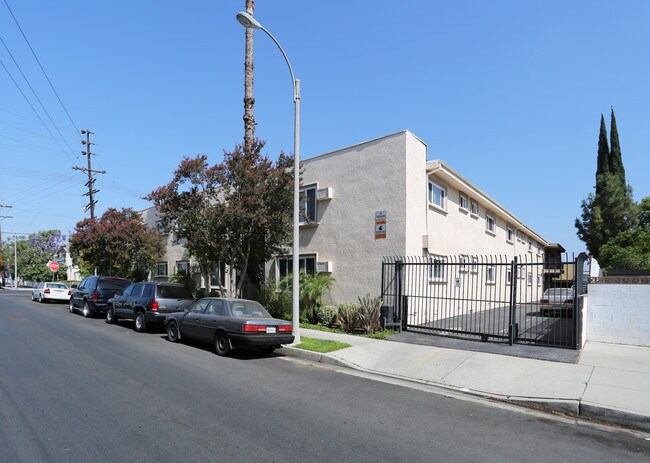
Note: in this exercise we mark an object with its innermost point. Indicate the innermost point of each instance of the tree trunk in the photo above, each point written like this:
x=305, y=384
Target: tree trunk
x=249, y=99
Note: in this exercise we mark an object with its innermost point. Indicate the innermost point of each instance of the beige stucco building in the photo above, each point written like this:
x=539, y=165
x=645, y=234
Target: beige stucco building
x=383, y=198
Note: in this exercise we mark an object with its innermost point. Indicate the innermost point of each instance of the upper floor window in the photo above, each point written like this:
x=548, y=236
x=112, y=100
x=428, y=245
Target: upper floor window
x=530, y=246
x=510, y=234
x=490, y=223
x=308, y=205
x=463, y=202
x=183, y=265
x=437, y=195
x=474, y=207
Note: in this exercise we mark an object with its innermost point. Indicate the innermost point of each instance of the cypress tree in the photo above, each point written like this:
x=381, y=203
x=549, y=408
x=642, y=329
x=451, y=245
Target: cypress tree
x=615, y=156
x=603, y=155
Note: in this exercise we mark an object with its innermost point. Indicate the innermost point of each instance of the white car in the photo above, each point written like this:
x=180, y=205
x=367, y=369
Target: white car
x=51, y=291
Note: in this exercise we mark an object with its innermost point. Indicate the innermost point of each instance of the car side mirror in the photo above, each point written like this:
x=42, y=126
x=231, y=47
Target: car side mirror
x=186, y=310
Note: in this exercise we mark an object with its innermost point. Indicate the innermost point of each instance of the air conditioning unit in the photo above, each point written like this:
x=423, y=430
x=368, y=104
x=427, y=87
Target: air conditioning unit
x=324, y=267
x=323, y=194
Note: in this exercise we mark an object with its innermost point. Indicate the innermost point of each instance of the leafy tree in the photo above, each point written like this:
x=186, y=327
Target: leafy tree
x=189, y=208
x=611, y=210
x=117, y=244
x=238, y=211
x=35, y=252
x=630, y=249
x=255, y=208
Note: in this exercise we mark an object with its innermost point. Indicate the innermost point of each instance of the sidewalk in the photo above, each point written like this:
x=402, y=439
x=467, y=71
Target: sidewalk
x=609, y=382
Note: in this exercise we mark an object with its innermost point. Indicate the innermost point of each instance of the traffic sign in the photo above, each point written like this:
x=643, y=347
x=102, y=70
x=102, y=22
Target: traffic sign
x=52, y=265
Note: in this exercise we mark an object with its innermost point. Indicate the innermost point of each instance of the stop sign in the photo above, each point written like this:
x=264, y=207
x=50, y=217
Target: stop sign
x=54, y=266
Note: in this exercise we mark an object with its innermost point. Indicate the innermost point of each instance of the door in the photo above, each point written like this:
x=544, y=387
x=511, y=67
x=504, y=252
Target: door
x=190, y=325
x=210, y=319
x=120, y=301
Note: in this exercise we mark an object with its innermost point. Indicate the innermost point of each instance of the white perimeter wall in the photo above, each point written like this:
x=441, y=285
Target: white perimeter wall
x=618, y=314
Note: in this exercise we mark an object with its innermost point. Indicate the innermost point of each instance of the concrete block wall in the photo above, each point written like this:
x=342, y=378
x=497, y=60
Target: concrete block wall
x=618, y=314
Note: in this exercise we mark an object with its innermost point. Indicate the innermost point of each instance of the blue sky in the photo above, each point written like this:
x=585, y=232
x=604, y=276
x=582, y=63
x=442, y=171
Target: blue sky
x=508, y=93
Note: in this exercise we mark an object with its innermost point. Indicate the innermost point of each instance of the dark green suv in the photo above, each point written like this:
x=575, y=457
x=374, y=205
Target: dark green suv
x=147, y=303
x=93, y=293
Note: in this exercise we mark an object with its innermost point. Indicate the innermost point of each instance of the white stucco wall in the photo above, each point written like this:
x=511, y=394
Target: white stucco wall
x=618, y=314
x=378, y=175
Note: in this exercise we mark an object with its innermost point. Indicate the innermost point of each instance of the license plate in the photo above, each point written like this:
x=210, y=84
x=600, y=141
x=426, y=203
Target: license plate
x=271, y=329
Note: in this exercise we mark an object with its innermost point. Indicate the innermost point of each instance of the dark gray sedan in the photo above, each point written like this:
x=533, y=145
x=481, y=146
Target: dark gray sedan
x=229, y=324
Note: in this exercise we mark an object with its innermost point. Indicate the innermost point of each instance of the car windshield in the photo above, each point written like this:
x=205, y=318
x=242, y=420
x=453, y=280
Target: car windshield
x=558, y=292
x=247, y=309
x=56, y=285
x=113, y=285
x=173, y=292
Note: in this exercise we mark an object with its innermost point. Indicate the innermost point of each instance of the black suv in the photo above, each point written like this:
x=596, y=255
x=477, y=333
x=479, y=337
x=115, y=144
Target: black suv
x=93, y=293
x=148, y=303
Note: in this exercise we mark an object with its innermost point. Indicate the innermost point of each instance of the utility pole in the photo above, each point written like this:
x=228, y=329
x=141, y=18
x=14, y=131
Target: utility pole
x=249, y=99
x=91, y=181
x=2, y=256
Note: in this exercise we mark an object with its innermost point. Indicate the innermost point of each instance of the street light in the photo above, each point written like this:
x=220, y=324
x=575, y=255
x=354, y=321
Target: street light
x=248, y=21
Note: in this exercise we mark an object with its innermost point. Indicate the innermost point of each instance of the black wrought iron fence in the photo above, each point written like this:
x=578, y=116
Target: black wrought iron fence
x=520, y=300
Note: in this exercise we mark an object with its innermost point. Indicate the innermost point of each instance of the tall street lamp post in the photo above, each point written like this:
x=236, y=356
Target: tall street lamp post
x=248, y=21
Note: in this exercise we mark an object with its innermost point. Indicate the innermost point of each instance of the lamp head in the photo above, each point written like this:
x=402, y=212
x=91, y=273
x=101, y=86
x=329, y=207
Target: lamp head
x=248, y=21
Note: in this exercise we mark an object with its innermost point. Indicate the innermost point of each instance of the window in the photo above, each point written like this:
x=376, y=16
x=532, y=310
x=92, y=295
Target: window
x=161, y=269
x=437, y=195
x=437, y=268
x=509, y=276
x=308, y=205
x=215, y=308
x=474, y=264
x=183, y=265
x=160, y=227
x=137, y=290
x=490, y=274
x=462, y=200
x=490, y=224
x=530, y=246
x=463, y=260
x=474, y=207
x=530, y=278
x=510, y=234
x=148, y=290
x=305, y=264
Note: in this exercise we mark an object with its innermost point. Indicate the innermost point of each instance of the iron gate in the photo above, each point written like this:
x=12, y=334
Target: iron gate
x=526, y=301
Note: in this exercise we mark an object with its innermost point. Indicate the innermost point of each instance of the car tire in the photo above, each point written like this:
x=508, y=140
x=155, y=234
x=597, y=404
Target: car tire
x=86, y=311
x=222, y=343
x=139, y=323
x=173, y=334
x=110, y=316
x=33, y=298
x=71, y=306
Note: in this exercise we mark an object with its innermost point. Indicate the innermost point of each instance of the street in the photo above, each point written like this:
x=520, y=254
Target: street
x=79, y=390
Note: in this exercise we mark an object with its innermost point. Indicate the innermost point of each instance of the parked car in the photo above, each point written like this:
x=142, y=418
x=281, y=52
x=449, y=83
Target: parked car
x=557, y=300
x=229, y=324
x=93, y=293
x=147, y=303
x=51, y=291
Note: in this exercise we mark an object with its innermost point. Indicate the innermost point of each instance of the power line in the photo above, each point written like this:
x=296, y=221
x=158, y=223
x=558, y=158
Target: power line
x=35, y=95
x=42, y=69
x=35, y=112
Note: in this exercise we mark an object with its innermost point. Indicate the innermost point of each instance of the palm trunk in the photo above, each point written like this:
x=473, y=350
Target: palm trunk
x=249, y=99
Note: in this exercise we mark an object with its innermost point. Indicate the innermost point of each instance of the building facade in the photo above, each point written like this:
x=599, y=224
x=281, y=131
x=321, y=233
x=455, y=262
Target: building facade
x=383, y=198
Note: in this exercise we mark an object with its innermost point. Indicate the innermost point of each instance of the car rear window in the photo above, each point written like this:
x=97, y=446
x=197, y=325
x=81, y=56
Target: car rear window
x=247, y=309
x=56, y=285
x=173, y=292
x=112, y=285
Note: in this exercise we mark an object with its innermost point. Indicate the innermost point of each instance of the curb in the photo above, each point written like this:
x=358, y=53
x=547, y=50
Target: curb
x=575, y=408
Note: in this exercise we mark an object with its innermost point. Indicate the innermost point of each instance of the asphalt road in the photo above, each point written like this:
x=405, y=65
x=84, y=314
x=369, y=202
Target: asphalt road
x=78, y=390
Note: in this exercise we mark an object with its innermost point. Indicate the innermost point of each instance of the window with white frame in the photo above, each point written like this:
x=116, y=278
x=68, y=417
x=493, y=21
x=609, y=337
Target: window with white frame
x=306, y=263
x=161, y=269
x=530, y=245
x=510, y=234
x=463, y=260
x=474, y=207
x=183, y=265
x=490, y=274
x=463, y=201
x=509, y=276
x=308, y=205
x=437, y=195
x=490, y=223
x=160, y=227
x=539, y=279
x=474, y=264
x=530, y=279
x=437, y=268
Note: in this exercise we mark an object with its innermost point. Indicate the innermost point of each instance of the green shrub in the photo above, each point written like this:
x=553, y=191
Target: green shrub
x=369, y=313
x=278, y=303
x=327, y=314
x=349, y=316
